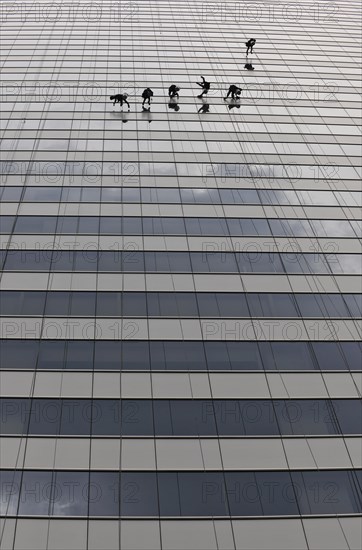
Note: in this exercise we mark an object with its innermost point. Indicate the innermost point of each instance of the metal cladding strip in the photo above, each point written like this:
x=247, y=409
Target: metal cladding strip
x=173, y=454
x=180, y=282
x=181, y=385
x=342, y=533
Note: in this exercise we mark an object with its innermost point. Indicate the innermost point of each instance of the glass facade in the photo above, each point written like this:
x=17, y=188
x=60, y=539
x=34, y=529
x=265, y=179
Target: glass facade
x=180, y=298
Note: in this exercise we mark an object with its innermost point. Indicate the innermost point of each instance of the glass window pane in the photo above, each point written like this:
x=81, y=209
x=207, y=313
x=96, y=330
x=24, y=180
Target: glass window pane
x=329, y=355
x=69, y=496
x=139, y=496
x=327, y=492
x=35, y=495
x=136, y=417
x=79, y=354
x=18, y=354
x=45, y=416
x=9, y=492
x=287, y=356
x=349, y=415
x=135, y=355
x=51, y=354
x=202, y=494
x=104, y=497
x=76, y=417
x=107, y=354
x=14, y=415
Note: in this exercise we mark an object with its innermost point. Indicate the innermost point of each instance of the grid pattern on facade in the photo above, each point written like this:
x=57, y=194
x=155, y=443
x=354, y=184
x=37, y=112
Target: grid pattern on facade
x=180, y=297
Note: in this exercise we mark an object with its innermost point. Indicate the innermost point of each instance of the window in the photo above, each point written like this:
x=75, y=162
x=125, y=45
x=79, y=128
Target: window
x=164, y=304
x=88, y=225
x=202, y=494
x=104, y=497
x=287, y=228
x=329, y=355
x=286, y=356
x=35, y=224
x=327, y=492
x=57, y=303
x=177, y=355
x=352, y=352
x=76, y=417
x=136, y=417
x=9, y=194
x=271, y=305
x=354, y=304
x=163, y=226
x=14, y=415
x=42, y=194
x=51, y=354
x=18, y=354
x=348, y=413
x=35, y=495
x=6, y=224
x=134, y=304
x=110, y=226
x=222, y=305
x=135, y=355
x=67, y=225
x=70, y=494
x=107, y=354
x=28, y=260
x=10, y=488
x=306, y=417
x=79, y=354
x=139, y=495
x=245, y=227
x=206, y=226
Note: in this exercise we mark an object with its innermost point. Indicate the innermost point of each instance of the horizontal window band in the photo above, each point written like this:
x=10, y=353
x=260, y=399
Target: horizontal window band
x=179, y=304
x=180, y=417
x=171, y=355
x=209, y=261
x=201, y=494
x=170, y=226
x=63, y=168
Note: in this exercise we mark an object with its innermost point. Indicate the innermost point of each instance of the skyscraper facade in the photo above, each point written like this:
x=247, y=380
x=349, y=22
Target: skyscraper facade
x=180, y=296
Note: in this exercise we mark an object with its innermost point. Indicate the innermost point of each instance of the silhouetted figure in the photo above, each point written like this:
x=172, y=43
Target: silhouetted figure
x=147, y=95
x=250, y=45
x=205, y=108
x=173, y=91
x=234, y=92
x=248, y=67
x=205, y=87
x=120, y=98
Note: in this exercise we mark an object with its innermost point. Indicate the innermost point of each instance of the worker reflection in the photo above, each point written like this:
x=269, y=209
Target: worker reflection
x=173, y=91
x=205, y=108
x=174, y=106
x=146, y=115
x=233, y=106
